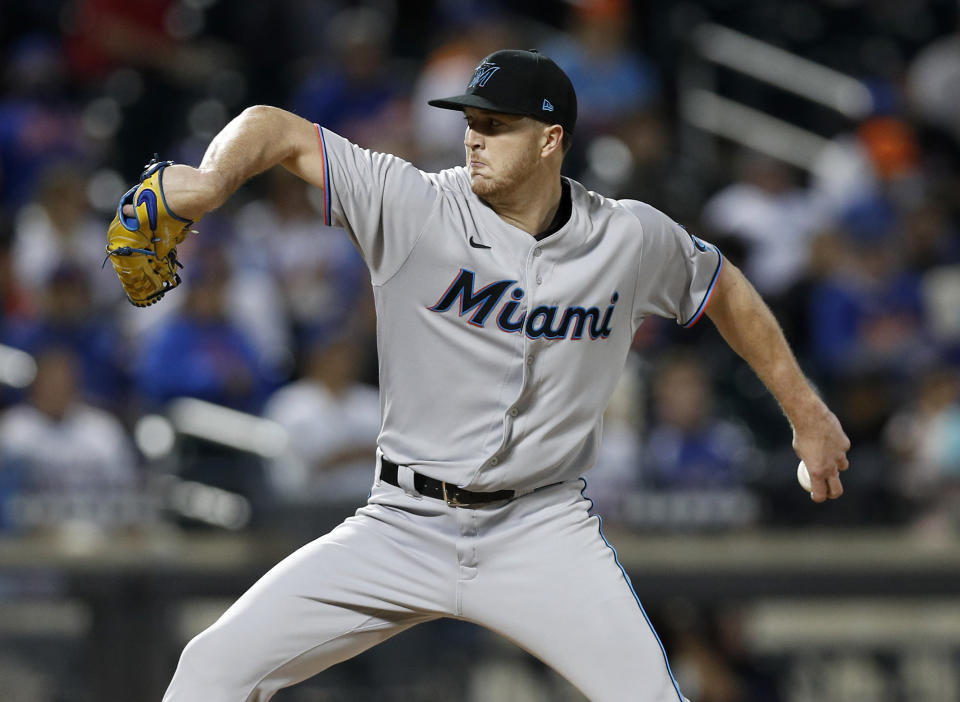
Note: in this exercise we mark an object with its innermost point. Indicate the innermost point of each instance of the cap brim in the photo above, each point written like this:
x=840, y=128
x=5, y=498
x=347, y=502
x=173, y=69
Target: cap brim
x=458, y=102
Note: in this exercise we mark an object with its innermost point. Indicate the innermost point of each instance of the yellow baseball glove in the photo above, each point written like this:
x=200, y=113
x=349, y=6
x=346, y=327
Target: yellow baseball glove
x=143, y=246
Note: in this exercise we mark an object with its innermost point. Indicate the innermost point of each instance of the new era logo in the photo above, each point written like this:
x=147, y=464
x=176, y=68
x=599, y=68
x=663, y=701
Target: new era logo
x=547, y=107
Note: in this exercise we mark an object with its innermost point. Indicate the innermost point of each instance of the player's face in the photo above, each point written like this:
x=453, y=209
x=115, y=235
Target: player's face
x=502, y=150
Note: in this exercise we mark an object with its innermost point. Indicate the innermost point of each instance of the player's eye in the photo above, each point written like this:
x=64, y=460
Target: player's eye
x=484, y=125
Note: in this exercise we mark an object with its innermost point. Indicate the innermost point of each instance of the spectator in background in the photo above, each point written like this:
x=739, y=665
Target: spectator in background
x=159, y=46
x=892, y=148
x=867, y=312
x=321, y=279
x=109, y=34
x=771, y=217
x=361, y=92
x=878, y=162
x=57, y=228
x=333, y=421
x=656, y=173
x=15, y=303
x=39, y=126
x=66, y=317
x=868, y=332
x=924, y=436
x=687, y=446
x=933, y=84
x=15, y=308
x=61, y=444
x=612, y=80
x=198, y=352
x=930, y=238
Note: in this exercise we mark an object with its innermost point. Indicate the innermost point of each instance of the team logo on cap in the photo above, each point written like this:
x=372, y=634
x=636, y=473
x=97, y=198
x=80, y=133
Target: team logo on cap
x=482, y=74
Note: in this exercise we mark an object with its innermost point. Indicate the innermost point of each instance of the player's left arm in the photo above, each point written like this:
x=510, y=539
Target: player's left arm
x=749, y=327
x=258, y=138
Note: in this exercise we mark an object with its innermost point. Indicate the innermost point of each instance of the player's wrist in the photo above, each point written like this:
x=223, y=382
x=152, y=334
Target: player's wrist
x=192, y=192
x=807, y=411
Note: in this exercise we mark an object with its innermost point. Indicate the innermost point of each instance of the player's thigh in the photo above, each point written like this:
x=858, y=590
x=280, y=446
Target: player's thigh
x=560, y=593
x=323, y=604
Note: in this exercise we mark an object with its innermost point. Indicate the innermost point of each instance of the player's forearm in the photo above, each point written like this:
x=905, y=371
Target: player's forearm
x=257, y=139
x=749, y=327
x=752, y=331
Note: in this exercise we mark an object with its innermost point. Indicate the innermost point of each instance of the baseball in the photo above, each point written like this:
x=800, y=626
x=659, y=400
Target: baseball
x=803, y=477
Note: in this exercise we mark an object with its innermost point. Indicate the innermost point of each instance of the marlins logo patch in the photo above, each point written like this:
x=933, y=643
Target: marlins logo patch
x=482, y=74
x=697, y=241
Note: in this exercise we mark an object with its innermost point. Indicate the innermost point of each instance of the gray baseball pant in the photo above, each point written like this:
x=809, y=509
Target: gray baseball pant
x=536, y=570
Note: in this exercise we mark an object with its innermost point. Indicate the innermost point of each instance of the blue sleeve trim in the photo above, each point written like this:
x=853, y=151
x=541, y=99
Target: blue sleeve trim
x=706, y=299
x=327, y=219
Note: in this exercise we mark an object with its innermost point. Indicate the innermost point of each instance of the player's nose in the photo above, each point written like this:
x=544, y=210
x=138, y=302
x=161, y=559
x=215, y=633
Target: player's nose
x=472, y=139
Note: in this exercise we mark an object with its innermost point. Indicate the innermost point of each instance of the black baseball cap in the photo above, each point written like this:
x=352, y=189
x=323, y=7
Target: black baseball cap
x=518, y=82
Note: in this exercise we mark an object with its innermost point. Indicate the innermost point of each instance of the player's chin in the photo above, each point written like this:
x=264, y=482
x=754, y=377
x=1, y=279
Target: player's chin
x=483, y=186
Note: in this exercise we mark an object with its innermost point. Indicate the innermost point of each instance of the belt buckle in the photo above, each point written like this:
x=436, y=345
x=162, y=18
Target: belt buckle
x=450, y=499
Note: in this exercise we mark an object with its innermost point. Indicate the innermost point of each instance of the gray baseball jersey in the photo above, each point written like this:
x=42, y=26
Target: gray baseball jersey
x=498, y=354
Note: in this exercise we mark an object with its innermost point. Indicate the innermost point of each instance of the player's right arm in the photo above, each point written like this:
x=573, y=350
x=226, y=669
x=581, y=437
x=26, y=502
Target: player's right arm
x=257, y=139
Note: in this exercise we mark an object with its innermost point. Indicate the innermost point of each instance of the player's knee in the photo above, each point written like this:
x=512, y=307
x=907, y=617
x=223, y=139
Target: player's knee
x=199, y=652
x=204, y=672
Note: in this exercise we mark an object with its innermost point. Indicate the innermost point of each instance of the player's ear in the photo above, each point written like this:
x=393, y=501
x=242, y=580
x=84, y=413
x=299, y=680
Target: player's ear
x=551, y=140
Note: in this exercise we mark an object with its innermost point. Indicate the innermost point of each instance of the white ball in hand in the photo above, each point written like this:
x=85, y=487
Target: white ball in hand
x=803, y=477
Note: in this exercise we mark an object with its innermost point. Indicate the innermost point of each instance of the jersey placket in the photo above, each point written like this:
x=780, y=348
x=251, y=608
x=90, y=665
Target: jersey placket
x=533, y=279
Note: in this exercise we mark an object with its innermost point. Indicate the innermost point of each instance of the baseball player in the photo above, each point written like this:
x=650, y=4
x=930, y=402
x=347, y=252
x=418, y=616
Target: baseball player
x=507, y=297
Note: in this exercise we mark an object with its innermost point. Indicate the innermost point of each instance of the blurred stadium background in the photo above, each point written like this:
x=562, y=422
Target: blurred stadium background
x=153, y=463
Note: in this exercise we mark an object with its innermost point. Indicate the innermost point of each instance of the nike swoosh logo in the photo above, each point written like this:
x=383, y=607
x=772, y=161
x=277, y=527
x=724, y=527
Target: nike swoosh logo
x=478, y=245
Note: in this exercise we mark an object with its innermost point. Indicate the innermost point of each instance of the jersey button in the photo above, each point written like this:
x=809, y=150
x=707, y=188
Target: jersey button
x=539, y=280
x=514, y=411
x=494, y=461
x=529, y=360
x=537, y=251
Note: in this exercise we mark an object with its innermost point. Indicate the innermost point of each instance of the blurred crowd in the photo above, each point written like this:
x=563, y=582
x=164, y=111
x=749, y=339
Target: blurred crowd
x=247, y=398
x=859, y=255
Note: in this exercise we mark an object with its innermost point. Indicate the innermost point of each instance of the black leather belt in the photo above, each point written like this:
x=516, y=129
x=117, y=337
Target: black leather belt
x=449, y=493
